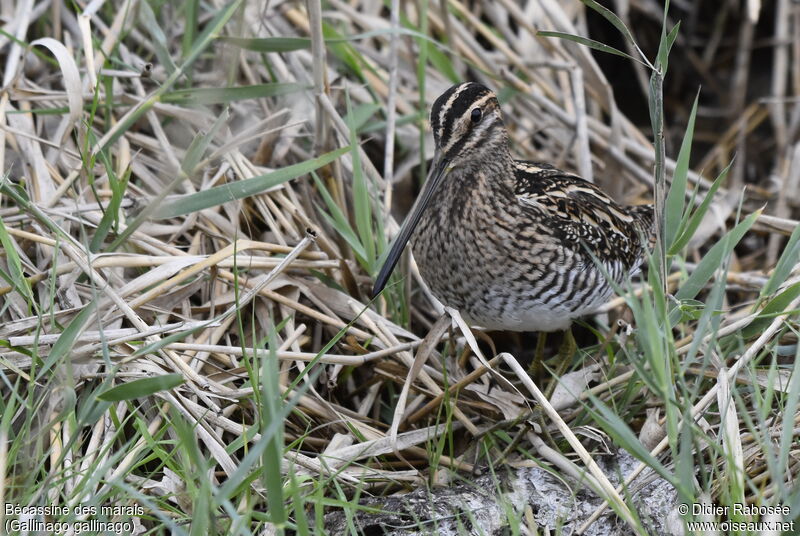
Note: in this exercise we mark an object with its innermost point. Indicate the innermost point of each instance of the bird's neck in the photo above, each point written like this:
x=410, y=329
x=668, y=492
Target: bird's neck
x=476, y=189
x=487, y=177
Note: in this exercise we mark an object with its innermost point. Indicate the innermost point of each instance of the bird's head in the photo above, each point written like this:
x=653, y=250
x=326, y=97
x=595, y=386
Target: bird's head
x=467, y=125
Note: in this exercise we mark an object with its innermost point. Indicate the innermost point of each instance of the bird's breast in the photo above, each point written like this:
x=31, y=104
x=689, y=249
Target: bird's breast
x=503, y=269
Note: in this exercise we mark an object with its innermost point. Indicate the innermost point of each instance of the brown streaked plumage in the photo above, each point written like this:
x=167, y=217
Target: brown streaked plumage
x=507, y=242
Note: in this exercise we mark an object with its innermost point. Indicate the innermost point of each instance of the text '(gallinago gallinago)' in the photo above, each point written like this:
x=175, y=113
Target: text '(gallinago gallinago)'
x=506, y=242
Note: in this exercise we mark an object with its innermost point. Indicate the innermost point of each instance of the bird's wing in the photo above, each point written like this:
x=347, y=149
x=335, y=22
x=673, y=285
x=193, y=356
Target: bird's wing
x=578, y=212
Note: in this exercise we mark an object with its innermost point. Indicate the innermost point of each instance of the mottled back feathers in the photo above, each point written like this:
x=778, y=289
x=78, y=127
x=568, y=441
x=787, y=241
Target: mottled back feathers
x=580, y=212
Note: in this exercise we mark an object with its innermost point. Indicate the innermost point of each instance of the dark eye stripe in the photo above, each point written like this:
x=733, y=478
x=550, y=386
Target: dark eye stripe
x=445, y=113
x=440, y=107
x=469, y=142
x=481, y=134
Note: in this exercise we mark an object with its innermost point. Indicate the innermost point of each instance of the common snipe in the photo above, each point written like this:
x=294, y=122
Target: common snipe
x=506, y=242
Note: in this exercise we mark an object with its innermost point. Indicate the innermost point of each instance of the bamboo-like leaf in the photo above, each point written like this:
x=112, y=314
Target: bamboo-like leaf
x=611, y=17
x=677, y=190
x=709, y=317
x=665, y=43
x=686, y=232
x=591, y=43
x=241, y=189
x=655, y=101
x=714, y=258
x=141, y=388
x=672, y=36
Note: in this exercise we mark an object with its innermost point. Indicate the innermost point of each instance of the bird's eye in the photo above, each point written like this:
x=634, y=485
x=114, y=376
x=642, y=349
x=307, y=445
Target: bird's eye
x=476, y=115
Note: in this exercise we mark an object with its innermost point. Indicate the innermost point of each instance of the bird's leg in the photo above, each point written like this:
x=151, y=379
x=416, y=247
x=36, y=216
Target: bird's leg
x=568, y=346
x=566, y=350
x=536, y=368
x=562, y=360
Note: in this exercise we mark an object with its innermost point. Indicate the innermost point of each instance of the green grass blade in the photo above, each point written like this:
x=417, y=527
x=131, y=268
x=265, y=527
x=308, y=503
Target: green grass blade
x=269, y=44
x=611, y=17
x=362, y=205
x=714, y=258
x=241, y=189
x=224, y=95
x=67, y=339
x=16, y=277
x=141, y=388
x=677, y=190
x=787, y=261
x=200, y=144
x=664, y=44
x=788, y=436
x=623, y=436
x=111, y=213
x=298, y=501
x=686, y=233
x=591, y=43
x=347, y=233
x=272, y=457
x=213, y=27
x=344, y=52
x=191, y=24
x=709, y=317
x=442, y=64
x=684, y=461
x=361, y=114
x=775, y=306
x=337, y=220
x=158, y=40
x=671, y=37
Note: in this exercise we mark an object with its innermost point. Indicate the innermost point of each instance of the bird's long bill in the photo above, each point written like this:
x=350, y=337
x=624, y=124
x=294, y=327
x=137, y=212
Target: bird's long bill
x=437, y=173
